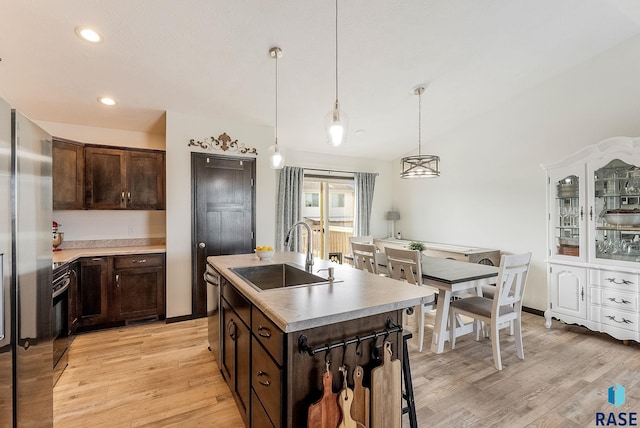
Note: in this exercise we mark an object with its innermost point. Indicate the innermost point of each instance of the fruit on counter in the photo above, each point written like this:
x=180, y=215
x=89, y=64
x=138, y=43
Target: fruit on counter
x=264, y=248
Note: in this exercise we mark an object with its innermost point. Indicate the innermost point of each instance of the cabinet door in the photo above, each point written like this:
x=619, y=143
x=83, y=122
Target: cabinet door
x=105, y=179
x=68, y=175
x=92, y=291
x=228, y=339
x=567, y=214
x=568, y=290
x=243, y=361
x=73, y=297
x=137, y=293
x=145, y=180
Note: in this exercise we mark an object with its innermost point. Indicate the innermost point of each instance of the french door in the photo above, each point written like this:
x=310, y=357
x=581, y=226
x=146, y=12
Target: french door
x=328, y=207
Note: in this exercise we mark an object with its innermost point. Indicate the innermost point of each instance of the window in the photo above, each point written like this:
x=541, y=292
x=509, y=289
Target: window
x=337, y=200
x=312, y=200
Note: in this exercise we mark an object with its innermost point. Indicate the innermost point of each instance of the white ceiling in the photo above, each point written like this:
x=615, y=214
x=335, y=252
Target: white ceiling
x=209, y=58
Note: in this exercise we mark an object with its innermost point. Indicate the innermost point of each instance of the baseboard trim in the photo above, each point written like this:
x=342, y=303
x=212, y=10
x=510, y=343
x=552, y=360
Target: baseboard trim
x=178, y=319
x=533, y=311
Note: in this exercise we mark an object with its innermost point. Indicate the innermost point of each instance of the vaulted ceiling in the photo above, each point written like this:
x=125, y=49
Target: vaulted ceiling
x=210, y=58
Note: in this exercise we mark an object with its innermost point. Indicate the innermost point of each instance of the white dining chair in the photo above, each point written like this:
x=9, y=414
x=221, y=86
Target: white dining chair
x=364, y=257
x=405, y=265
x=379, y=255
x=506, y=306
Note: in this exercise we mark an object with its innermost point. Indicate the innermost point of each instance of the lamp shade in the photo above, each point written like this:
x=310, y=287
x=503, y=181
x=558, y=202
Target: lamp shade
x=392, y=215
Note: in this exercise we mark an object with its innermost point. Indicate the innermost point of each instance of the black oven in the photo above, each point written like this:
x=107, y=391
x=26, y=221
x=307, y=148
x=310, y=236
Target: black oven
x=61, y=283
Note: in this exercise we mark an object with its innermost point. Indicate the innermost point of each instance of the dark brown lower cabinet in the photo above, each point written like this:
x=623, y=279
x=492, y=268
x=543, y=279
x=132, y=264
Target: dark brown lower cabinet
x=236, y=357
x=138, y=288
x=92, y=291
x=115, y=289
x=283, y=381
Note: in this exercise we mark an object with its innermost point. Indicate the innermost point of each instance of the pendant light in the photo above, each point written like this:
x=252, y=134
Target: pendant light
x=276, y=155
x=336, y=120
x=421, y=166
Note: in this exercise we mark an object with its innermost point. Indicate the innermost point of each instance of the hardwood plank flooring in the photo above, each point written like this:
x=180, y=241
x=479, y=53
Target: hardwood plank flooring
x=162, y=375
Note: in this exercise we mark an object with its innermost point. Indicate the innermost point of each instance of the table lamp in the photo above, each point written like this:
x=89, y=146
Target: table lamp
x=392, y=216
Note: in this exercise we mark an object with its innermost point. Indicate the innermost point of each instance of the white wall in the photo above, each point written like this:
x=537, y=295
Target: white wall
x=108, y=224
x=492, y=190
x=180, y=129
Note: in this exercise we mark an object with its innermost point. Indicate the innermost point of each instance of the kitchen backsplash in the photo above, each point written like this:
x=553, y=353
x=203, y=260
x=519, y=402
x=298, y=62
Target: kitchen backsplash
x=110, y=243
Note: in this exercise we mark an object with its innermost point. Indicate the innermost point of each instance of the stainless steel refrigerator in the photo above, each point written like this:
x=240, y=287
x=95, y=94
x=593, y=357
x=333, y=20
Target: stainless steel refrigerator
x=26, y=351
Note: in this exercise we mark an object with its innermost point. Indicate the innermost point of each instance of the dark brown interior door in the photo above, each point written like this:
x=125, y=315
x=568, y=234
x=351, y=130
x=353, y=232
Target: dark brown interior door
x=223, y=214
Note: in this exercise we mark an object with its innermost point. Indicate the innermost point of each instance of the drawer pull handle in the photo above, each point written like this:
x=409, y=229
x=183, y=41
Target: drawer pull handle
x=624, y=320
x=613, y=299
x=265, y=382
x=231, y=329
x=139, y=261
x=622, y=282
x=267, y=332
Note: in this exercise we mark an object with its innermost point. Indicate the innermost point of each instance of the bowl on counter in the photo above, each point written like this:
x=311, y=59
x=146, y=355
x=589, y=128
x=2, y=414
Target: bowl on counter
x=264, y=255
x=622, y=217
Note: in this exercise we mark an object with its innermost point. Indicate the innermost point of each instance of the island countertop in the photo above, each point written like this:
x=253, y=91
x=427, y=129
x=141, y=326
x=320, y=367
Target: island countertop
x=355, y=294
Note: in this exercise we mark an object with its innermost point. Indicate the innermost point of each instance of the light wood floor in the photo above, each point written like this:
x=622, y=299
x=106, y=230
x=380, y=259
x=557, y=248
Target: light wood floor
x=161, y=375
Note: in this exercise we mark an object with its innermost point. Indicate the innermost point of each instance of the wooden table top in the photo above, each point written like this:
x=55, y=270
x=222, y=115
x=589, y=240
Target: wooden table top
x=454, y=271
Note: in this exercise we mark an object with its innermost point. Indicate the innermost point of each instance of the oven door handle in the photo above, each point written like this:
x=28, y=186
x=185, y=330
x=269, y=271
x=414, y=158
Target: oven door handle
x=62, y=289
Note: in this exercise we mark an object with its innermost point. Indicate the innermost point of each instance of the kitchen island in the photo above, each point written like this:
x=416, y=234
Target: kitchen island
x=261, y=333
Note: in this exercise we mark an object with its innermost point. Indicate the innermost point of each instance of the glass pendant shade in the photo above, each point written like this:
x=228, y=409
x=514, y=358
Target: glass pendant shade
x=276, y=157
x=336, y=125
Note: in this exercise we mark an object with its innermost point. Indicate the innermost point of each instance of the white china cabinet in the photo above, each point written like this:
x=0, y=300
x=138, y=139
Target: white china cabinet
x=593, y=204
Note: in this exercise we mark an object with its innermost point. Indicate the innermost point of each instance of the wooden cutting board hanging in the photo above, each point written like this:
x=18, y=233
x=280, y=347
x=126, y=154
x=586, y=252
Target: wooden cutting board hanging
x=345, y=400
x=361, y=399
x=386, y=392
x=325, y=412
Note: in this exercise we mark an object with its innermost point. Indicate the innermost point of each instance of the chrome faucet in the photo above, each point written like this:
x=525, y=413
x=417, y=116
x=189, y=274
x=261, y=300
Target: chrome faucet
x=308, y=264
x=330, y=276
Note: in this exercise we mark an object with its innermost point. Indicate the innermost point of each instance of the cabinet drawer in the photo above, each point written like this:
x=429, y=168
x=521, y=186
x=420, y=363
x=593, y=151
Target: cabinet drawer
x=620, y=300
x=266, y=381
x=618, y=318
x=139, y=260
x=271, y=337
x=620, y=280
x=237, y=301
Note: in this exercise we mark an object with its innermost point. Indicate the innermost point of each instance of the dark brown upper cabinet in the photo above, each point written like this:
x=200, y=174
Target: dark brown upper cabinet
x=68, y=175
x=124, y=178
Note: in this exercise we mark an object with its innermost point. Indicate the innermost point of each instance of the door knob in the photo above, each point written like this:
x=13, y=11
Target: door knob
x=201, y=245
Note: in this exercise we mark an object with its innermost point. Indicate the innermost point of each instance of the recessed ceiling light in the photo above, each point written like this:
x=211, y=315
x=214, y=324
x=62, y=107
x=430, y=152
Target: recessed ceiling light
x=88, y=34
x=107, y=101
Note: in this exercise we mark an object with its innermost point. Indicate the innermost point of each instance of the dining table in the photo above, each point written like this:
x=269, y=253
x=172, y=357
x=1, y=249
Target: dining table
x=453, y=278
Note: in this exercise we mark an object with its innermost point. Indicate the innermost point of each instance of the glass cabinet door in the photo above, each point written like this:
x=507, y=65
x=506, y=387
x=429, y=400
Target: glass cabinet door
x=616, y=212
x=567, y=217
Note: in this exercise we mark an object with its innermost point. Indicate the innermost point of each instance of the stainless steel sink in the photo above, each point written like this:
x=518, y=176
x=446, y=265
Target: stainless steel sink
x=282, y=275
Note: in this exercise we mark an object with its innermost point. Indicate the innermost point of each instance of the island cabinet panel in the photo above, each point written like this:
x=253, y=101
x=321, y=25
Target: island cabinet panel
x=68, y=175
x=266, y=382
x=236, y=346
x=259, y=417
x=304, y=373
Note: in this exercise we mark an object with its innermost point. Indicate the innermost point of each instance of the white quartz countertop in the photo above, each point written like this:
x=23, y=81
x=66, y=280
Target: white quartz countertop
x=358, y=294
x=66, y=256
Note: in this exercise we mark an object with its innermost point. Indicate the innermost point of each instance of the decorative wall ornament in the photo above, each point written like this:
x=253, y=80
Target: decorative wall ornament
x=224, y=143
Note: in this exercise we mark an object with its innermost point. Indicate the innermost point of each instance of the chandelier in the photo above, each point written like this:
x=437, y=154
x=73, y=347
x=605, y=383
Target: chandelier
x=421, y=166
